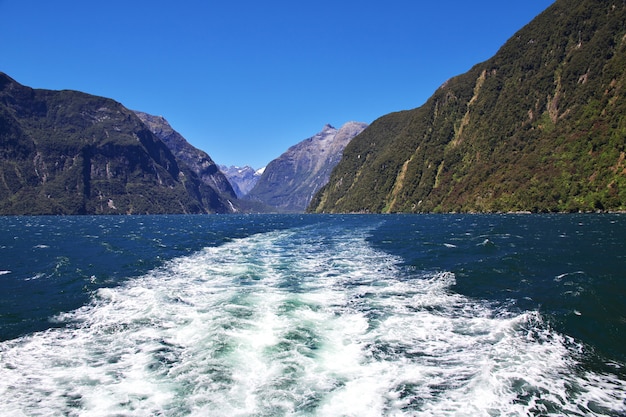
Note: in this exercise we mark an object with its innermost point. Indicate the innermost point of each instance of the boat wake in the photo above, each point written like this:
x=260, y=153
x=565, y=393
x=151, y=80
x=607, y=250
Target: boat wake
x=303, y=322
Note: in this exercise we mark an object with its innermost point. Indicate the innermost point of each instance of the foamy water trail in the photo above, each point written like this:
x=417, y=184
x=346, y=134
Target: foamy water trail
x=298, y=323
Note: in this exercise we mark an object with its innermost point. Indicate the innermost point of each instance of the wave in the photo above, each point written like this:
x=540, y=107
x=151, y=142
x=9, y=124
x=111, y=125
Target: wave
x=303, y=322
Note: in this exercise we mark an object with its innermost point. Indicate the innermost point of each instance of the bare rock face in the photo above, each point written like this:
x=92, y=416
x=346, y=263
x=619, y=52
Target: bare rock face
x=290, y=181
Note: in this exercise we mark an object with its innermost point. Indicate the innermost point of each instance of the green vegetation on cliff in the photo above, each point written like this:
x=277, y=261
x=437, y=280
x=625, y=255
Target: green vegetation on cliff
x=541, y=126
x=66, y=152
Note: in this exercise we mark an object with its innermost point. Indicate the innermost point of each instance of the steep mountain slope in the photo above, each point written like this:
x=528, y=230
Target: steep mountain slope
x=197, y=160
x=66, y=152
x=541, y=126
x=290, y=181
x=242, y=179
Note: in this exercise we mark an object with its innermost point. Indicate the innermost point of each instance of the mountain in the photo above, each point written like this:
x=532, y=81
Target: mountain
x=290, y=181
x=541, y=126
x=67, y=152
x=241, y=179
x=197, y=160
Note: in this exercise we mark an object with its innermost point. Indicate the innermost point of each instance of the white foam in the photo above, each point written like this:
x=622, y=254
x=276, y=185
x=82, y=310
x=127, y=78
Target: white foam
x=278, y=324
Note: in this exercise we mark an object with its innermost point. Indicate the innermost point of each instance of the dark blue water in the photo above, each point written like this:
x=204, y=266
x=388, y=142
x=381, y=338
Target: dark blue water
x=53, y=264
x=571, y=268
x=313, y=315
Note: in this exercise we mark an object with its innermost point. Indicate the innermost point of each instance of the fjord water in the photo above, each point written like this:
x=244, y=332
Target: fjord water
x=354, y=315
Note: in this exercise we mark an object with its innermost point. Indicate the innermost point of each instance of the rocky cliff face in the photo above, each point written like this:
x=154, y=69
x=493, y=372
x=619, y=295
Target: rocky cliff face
x=241, y=179
x=197, y=160
x=66, y=152
x=538, y=127
x=290, y=181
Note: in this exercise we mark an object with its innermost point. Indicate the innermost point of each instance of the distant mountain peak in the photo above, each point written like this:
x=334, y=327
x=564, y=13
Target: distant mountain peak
x=242, y=179
x=290, y=181
x=328, y=131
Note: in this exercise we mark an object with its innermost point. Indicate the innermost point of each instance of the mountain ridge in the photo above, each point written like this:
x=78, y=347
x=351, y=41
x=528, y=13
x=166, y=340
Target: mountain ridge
x=197, y=160
x=69, y=152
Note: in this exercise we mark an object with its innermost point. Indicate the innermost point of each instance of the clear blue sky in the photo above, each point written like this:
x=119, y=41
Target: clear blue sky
x=243, y=80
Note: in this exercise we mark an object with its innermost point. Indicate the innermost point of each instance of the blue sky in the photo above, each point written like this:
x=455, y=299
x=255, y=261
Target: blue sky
x=244, y=80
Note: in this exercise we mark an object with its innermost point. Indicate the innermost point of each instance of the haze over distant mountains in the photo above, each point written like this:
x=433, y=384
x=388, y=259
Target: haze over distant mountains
x=242, y=179
x=541, y=126
x=290, y=181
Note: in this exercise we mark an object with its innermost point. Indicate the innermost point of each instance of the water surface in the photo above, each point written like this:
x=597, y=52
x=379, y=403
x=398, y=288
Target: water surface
x=355, y=315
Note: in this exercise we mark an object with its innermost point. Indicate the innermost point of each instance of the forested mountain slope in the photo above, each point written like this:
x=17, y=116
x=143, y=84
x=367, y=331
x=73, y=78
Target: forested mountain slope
x=541, y=126
x=67, y=152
